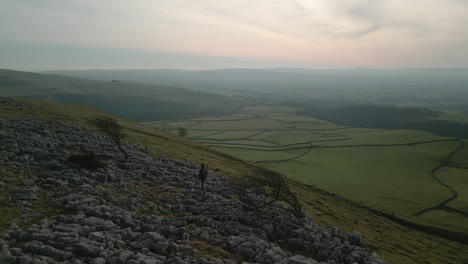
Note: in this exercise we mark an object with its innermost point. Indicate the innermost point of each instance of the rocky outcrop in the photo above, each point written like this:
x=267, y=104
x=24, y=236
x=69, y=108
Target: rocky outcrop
x=8, y=101
x=148, y=209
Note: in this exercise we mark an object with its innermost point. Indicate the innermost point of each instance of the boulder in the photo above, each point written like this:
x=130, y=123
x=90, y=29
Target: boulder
x=299, y=259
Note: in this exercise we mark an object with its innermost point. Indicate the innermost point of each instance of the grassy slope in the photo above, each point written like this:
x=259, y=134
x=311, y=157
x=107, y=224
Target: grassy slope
x=394, y=242
x=457, y=178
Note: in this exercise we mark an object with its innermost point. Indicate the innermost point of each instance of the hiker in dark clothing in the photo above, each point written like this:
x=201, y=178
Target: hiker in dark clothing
x=202, y=174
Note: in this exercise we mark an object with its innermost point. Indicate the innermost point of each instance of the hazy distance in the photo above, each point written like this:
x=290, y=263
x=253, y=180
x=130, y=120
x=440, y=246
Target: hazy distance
x=207, y=34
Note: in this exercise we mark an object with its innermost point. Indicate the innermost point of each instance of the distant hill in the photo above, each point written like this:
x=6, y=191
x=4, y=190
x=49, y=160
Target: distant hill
x=439, y=88
x=140, y=102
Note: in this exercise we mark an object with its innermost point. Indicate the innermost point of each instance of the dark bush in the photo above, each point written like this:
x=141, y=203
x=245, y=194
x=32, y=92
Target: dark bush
x=87, y=161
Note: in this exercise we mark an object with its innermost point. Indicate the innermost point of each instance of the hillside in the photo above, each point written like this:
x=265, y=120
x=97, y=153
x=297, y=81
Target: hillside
x=102, y=215
x=131, y=100
x=145, y=209
x=412, y=174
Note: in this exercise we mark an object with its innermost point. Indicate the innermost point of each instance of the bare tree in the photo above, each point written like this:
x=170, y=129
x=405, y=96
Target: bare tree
x=264, y=188
x=110, y=127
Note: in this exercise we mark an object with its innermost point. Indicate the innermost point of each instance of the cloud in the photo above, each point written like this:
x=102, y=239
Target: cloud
x=350, y=32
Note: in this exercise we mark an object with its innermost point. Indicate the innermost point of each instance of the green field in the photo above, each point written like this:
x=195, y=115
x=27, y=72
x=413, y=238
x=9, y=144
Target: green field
x=385, y=169
x=459, y=180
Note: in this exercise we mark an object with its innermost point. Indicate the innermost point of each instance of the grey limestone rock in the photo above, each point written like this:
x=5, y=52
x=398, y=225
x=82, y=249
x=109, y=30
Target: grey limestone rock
x=122, y=257
x=356, y=239
x=112, y=221
x=25, y=194
x=5, y=254
x=97, y=236
x=160, y=248
x=16, y=251
x=299, y=259
x=98, y=260
x=39, y=248
x=86, y=250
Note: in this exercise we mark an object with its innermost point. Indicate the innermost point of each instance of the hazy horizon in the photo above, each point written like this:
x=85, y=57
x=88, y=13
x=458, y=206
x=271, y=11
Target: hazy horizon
x=279, y=68
x=206, y=34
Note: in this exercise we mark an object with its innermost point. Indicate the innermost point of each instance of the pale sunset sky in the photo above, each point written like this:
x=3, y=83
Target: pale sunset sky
x=204, y=34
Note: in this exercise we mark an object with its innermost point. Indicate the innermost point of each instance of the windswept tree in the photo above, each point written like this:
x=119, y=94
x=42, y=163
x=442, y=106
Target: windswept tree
x=182, y=132
x=264, y=188
x=110, y=127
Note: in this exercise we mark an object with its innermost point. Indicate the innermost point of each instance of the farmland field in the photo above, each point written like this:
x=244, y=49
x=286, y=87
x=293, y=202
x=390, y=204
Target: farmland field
x=406, y=172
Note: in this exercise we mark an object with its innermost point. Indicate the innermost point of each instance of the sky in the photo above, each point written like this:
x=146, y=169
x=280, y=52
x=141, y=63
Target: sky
x=204, y=34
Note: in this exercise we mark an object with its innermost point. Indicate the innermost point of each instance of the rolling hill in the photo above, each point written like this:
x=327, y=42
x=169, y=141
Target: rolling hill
x=435, y=88
x=136, y=101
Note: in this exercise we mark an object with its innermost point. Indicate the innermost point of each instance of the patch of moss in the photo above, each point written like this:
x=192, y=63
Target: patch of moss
x=8, y=210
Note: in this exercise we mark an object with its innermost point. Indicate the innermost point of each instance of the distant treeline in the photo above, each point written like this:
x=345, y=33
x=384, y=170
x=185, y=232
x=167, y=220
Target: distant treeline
x=386, y=117
x=135, y=107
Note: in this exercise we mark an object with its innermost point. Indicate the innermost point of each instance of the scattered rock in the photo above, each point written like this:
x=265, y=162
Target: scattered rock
x=8, y=101
x=147, y=210
x=85, y=250
x=25, y=194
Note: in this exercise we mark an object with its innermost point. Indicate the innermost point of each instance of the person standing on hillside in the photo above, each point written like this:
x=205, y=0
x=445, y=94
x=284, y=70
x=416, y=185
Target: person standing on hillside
x=202, y=174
